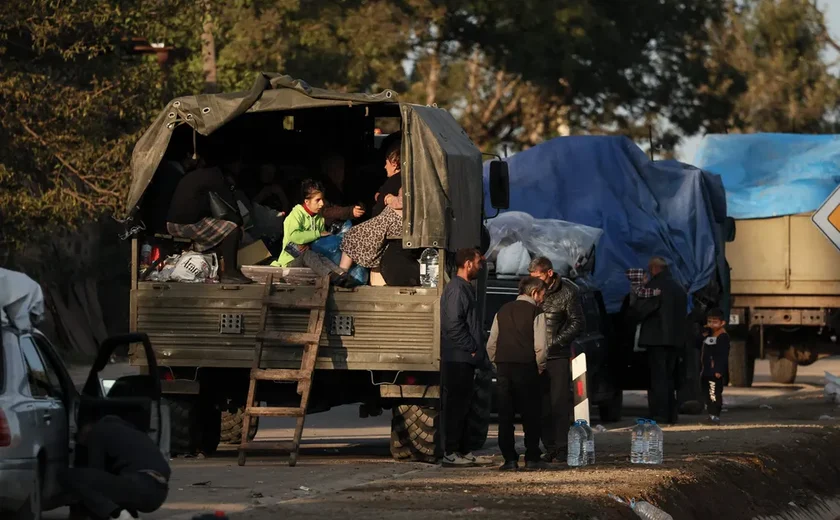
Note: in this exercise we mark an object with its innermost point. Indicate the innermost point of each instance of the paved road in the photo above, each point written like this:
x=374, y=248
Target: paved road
x=342, y=451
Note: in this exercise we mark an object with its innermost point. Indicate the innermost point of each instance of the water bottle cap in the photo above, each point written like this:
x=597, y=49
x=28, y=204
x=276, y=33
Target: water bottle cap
x=641, y=421
x=652, y=421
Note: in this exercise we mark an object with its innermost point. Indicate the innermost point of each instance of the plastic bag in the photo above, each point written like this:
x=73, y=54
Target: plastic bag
x=192, y=267
x=513, y=260
x=330, y=247
x=570, y=247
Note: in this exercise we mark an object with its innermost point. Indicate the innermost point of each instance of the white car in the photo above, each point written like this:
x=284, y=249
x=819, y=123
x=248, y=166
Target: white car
x=40, y=406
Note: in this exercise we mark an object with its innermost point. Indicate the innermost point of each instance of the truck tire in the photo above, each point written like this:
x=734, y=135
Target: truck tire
x=184, y=425
x=231, y=426
x=610, y=410
x=415, y=434
x=478, y=420
x=782, y=370
x=741, y=365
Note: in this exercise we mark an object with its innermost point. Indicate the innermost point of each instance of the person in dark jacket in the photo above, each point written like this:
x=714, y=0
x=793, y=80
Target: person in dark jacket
x=462, y=349
x=564, y=322
x=125, y=473
x=332, y=168
x=663, y=336
x=190, y=217
x=517, y=348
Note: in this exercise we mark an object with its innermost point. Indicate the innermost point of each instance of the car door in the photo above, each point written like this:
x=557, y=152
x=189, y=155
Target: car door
x=50, y=415
x=134, y=398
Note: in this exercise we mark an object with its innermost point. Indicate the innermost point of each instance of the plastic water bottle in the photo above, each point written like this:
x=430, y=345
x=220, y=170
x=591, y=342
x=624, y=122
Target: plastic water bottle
x=429, y=267
x=638, y=443
x=576, y=455
x=648, y=511
x=146, y=254
x=656, y=441
x=589, y=444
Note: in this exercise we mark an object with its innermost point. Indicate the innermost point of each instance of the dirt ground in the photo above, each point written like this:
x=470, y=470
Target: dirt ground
x=757, y=463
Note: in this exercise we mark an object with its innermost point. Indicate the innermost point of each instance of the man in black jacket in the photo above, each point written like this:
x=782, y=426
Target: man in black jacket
x=462, y=349
x=125, y=473
x=663, y=337
x=564, y=321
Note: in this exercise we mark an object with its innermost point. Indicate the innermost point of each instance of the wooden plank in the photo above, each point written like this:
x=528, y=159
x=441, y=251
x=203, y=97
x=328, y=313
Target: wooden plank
x=278, y=374
x=288, y=338
x=274, y=411
x=269, y=446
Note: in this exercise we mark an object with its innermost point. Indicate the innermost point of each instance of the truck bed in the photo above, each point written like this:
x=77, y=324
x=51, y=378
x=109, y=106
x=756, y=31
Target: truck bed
x=783, y=257
x=394, y=328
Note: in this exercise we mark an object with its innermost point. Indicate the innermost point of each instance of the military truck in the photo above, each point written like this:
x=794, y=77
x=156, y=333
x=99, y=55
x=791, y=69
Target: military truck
x=785, y=283
x=380, y=345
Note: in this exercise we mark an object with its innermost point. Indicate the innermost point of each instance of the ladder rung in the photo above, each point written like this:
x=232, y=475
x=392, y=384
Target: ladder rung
x=289, y=338
x=283, y=302
x=269, y=445
x=278, y=374
x=274, y=411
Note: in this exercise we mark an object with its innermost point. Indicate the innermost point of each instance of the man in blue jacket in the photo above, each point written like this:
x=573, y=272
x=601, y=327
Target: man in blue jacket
x=462, y=350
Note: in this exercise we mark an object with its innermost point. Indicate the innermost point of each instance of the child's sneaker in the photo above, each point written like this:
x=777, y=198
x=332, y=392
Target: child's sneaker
x=714, y=419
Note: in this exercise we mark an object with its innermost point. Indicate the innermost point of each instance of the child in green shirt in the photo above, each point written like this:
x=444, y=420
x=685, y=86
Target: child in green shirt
x=302, y=226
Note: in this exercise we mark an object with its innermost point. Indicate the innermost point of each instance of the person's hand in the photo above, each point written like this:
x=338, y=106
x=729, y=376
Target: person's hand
x=358, y=211
x=473, y=354
x=388, y=199
x=718, y=375
x=325, y=233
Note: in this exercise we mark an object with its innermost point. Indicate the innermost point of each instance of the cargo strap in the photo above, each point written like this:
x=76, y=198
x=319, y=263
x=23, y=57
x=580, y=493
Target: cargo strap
x=303, y=376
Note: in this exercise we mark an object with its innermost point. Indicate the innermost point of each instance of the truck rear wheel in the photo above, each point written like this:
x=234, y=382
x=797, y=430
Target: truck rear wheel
x=184, y=421
x=741, y=365
x=610, y=410
x=782, y=370
x=478, y=420
x=231, y=423
x=415, y=433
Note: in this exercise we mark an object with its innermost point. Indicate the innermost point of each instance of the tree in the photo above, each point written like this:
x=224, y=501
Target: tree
x=73, y=102
x=766, y=71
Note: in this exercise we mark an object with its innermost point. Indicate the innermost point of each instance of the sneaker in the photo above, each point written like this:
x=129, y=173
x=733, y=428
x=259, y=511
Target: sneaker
x=456, y=460
x=552, y=456
x=509, y=465
x=535, y=465
x=714, y=419
x=480, y=461
x=124, y=515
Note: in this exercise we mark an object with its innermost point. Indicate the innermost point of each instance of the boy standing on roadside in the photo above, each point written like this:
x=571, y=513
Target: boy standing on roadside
x=715, y=362
x=517, y=346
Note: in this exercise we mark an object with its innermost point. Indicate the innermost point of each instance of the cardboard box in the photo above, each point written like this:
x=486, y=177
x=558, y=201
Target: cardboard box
x=253, y=254
x=376, y=279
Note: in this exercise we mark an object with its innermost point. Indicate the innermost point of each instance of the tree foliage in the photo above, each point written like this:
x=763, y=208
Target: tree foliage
x=73, y=100
x=766, y=70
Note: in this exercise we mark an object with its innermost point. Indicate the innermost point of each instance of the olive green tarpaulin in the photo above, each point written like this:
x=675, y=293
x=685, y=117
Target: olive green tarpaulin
x=442, y=170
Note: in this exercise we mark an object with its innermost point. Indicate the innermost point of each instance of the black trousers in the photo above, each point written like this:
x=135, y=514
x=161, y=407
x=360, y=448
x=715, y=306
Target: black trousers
x=457, y=380
x=101, y=493
x=518, y=390
x=662, y=396
x=557, y=404
x=713, y=394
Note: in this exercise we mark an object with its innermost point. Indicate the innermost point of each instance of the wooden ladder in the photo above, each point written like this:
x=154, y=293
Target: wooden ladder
x=303, y=376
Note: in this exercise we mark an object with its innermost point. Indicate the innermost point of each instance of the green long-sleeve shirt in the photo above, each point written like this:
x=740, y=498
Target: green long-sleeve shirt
x=299, y=228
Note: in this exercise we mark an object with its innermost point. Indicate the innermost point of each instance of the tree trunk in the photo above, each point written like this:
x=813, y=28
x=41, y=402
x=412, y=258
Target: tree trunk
x=208, y=52
x=433, y=80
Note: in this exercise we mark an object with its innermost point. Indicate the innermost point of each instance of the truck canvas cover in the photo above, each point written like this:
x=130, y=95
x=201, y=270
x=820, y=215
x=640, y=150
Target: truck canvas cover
x=772, y=175
x=440, y=179
x=644, y=207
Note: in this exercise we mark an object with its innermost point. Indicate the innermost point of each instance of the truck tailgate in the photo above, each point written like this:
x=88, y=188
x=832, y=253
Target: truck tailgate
x=394, y=328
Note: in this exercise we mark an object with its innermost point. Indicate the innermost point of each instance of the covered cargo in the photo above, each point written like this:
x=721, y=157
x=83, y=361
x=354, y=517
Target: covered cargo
x=644, y=207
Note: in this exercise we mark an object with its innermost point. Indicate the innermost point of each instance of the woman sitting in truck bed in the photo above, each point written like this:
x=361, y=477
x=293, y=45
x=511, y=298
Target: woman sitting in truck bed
x=190, y=217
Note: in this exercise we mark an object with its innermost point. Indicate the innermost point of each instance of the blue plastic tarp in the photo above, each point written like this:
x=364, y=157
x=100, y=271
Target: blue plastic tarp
x=770, y=175
x=645, y=208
